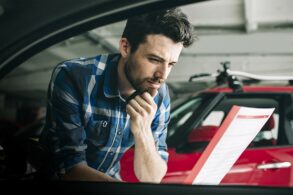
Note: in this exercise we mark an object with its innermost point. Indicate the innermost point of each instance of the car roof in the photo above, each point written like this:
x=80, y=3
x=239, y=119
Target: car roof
x=239, y=81
x=270, y=89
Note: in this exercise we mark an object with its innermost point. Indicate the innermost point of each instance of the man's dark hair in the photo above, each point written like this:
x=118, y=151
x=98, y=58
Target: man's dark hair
x=172, y=23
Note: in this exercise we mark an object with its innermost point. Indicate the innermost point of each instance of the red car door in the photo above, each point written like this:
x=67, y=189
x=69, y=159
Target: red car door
x=264, y=163
x=266, y=166
x=256, y=166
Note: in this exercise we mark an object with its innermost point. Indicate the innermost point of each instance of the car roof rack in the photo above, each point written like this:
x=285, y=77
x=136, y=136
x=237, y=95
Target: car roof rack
x=231, y=77
x=222, y=77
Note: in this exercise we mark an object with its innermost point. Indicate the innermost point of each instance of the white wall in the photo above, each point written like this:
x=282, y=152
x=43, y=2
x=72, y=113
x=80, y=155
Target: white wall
x=254, y=35
x=269, y=53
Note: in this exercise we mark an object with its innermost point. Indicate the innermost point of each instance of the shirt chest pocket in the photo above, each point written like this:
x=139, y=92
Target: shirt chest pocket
x=99, y=132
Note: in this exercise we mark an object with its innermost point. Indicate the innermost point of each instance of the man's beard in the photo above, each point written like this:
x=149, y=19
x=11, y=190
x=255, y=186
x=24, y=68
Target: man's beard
x=137, y=84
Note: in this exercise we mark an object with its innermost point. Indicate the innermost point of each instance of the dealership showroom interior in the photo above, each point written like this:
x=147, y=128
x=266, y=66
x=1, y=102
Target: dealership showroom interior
x=219, y=120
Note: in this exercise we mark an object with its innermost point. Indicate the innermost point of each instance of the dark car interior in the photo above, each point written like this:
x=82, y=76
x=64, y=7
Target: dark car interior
x=42, y=24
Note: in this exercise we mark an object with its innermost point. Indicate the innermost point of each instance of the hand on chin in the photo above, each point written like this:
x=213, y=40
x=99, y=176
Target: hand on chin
x=141, y=110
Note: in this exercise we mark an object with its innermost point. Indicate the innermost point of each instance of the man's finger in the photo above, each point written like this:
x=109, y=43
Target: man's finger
x=142, y=102
x=152, y=92
x=131, y=111
x=132, y=96
x=148, y=98
x=135, y=105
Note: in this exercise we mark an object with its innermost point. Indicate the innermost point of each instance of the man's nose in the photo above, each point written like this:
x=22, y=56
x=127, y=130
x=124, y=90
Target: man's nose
x=162, y=72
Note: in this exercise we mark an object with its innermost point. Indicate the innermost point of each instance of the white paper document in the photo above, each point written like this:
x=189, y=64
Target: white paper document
x=234, y=135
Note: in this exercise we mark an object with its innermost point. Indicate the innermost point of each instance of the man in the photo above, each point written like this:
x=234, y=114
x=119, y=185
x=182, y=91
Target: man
x=90, y=125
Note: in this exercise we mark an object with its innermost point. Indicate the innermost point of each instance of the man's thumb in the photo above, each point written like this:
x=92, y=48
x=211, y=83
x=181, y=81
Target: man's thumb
x=153, y=92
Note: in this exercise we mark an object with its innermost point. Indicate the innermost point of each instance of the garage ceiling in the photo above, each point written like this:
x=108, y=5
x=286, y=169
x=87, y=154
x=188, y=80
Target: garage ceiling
x=254, y=35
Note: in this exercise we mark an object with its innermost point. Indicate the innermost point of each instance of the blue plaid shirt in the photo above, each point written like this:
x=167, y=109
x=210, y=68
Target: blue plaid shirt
x=86, y=116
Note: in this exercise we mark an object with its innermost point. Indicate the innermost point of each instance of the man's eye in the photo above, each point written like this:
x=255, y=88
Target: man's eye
x=154, y=60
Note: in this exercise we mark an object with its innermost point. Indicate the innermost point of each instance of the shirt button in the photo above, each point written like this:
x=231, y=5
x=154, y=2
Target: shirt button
x=119, y=132
x=111, y=153
x=105, y=124
x=103, y=170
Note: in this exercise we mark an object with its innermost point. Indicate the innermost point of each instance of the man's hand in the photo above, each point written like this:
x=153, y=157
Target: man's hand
x=148, y=164
x=142, y=110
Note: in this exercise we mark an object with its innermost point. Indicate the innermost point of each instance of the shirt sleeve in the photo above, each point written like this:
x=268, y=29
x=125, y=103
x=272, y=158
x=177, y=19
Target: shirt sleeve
x=161, y=121
x=66, y=132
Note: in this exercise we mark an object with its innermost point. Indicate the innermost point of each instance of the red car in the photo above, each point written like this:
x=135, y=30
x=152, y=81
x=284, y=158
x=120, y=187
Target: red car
x=268, y=159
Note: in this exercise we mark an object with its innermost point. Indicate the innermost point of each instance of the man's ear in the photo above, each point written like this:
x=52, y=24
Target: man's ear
x=124, y=47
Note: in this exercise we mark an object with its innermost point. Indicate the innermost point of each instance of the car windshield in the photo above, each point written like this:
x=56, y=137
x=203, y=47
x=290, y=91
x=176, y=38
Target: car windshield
x=183, y=110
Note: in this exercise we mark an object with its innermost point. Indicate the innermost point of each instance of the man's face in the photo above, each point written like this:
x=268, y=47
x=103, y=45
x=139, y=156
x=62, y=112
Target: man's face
x=149, y=66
